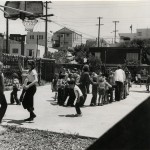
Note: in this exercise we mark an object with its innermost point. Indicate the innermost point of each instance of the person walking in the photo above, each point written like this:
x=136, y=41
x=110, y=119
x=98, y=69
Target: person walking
x=3, y=101
x=28, y=102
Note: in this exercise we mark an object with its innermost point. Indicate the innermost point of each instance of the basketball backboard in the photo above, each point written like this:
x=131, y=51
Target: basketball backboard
x=35, y=7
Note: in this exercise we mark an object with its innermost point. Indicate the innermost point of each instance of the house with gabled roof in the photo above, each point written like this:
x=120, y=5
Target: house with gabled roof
x=66, y=38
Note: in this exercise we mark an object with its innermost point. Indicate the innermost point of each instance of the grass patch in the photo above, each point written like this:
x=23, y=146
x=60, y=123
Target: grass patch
x=30, y=139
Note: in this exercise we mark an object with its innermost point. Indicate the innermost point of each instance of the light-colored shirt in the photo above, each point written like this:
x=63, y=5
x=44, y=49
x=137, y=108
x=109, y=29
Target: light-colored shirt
x=119, y=75
x=31, y=75
x=77, y=92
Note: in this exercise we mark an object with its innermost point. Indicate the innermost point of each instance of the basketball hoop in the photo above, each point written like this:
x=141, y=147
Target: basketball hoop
x=29, y=24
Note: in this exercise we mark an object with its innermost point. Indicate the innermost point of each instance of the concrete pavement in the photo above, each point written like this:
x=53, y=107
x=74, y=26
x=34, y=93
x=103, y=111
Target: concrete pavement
x=94, y=122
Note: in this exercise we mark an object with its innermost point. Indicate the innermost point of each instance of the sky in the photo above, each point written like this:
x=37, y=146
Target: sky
x=82, y=17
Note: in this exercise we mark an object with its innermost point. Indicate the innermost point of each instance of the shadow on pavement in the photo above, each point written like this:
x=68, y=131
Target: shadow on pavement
x=131, y=133
x=18, y=122
x=69, y=115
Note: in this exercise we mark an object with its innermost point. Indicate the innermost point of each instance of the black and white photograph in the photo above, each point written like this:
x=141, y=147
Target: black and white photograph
x=75, y=75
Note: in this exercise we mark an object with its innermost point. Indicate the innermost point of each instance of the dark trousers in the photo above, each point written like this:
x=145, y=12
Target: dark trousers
x=84, y=91
x=61, y=96
x=119, y=91
x=71, y=97
x=28, y=99
x=77, y=105
x=22, y=95
x=88, y=88
x=3, y=107
x=110, y=94
x=94, y=98
x=14, y=97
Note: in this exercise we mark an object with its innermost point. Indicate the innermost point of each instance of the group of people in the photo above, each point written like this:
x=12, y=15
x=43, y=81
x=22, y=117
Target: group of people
x=70, y=85
x=27, y=95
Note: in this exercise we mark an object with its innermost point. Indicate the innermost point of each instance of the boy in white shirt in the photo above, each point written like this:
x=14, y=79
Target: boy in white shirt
x=79, y=96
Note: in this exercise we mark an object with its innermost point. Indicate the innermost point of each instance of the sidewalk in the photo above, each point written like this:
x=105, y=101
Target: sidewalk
x=94, y=122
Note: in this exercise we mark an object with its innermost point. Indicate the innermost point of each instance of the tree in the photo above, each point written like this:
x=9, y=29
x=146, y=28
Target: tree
x=94, y=63
x=82, y=51
x=60, y=56
x=143, y=45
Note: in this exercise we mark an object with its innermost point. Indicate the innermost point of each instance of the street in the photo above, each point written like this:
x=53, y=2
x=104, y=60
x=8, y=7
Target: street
x=94, y=122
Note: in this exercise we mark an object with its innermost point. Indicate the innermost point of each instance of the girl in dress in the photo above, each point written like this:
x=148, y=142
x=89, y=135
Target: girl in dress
x=30, y=90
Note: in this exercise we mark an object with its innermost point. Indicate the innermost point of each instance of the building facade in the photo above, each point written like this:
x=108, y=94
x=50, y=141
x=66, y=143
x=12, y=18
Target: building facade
x=17, y=44
x=39, y=38
x=66, y=38
x=112, y=56
x=140, y=34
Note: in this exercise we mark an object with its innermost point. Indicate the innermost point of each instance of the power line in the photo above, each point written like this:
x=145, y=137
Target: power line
x=74, y=29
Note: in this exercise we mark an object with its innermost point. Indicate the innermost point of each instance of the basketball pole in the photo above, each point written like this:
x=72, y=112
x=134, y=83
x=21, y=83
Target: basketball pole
x=7, y=28
x=46, y=31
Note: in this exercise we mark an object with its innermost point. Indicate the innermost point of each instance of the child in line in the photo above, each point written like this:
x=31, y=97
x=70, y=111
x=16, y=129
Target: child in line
x=3, y=101
x=16, y=88
x=54, y=86
x=61, y=89
x=79, y=97
x=94, y=91
x=102, y=86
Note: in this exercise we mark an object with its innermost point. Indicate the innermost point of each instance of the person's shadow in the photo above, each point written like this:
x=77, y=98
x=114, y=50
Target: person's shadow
x=69, y=115
x=17, y=122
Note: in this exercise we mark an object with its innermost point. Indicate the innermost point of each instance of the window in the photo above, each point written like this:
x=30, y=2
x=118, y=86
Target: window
x=15, y=50
x=67, y=35
x=132, y=56
x=139, y=33
x=30, y=52
x=31, y=36
x=41, y=37
x=98, y=55
x=66, y=43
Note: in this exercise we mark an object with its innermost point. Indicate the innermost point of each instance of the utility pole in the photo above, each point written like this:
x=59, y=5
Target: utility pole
x=37, y=44
x=131, y=28
x=7, y=37
x=99, y=29
x=115, y=30
x=46, y=29
x=46, y=25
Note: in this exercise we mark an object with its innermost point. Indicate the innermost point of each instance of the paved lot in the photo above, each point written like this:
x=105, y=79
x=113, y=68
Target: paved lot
x=94, y=122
